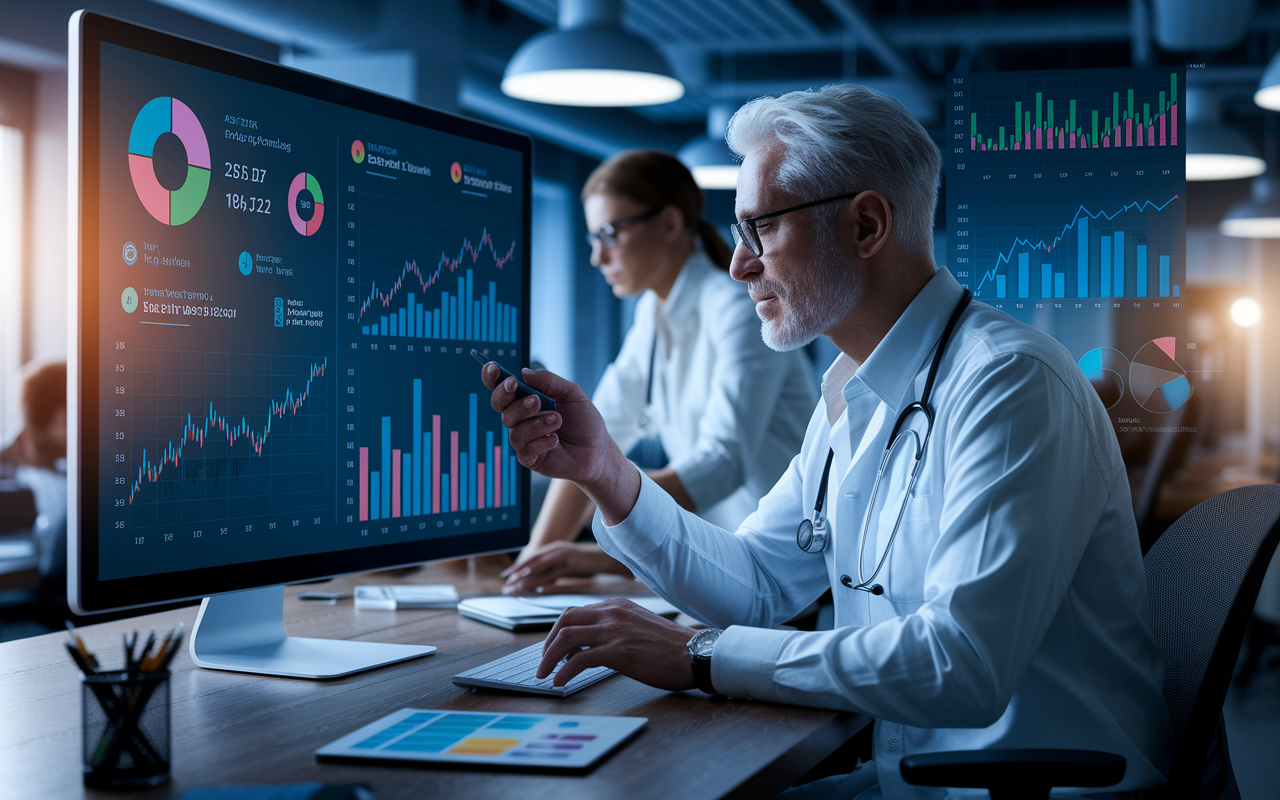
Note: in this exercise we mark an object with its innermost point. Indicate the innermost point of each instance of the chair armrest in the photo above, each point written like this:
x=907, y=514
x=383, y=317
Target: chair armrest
x=1003, y=770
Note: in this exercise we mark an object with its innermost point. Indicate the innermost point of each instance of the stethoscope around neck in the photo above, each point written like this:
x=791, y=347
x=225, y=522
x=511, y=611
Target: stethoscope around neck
x=813, y=536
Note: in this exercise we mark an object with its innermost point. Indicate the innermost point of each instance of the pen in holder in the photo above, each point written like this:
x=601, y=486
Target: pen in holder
x=126, y=728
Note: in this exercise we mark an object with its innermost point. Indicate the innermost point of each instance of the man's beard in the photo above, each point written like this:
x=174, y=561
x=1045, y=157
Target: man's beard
x=819, y=299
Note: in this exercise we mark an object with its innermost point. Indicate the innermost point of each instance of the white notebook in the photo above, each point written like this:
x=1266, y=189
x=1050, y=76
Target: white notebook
x=540, y=612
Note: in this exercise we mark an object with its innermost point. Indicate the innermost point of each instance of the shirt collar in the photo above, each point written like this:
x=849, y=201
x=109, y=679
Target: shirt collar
x=892, y=367
x=834, y=380
x=683, y=297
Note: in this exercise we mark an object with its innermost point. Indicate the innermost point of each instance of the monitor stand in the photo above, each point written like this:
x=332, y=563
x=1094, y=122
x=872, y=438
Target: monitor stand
x=244, y=632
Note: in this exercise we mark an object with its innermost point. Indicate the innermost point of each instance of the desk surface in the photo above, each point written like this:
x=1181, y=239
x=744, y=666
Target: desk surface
x=230, y=728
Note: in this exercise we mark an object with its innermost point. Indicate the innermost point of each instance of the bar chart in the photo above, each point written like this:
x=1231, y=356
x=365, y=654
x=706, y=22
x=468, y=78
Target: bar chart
x=426, y=463
x=1125, y=250
x=428, y=272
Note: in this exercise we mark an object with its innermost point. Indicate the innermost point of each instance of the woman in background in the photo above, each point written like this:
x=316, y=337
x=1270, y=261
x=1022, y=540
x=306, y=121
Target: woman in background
x=695, y=397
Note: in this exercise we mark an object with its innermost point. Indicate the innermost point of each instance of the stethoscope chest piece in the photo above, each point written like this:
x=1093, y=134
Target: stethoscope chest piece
x=811, y=536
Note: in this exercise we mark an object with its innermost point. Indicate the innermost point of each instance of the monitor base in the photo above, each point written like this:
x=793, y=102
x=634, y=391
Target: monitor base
x=244, y=632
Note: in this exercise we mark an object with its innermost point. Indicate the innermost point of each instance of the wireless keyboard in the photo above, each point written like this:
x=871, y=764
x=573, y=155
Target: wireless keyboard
x=516, y=673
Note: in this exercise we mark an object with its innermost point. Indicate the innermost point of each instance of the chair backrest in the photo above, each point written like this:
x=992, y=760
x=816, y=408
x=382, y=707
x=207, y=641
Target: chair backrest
x=1203, y=576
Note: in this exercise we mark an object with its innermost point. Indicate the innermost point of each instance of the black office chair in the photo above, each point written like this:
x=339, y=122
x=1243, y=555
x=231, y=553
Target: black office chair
x=1203, y=576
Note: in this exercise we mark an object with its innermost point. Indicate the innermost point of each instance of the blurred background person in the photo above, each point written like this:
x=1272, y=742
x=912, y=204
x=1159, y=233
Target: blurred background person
x=694, y=397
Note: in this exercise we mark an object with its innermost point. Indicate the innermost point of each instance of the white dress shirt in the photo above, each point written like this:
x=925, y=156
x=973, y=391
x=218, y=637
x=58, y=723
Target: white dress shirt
x=1015, y=606
x=730, y=412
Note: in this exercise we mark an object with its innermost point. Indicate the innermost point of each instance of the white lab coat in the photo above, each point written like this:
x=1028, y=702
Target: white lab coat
x=1015, y=610
x=730, y=412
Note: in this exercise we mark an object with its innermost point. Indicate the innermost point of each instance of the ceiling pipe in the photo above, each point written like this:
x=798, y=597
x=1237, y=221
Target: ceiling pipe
x=867, y=36
x=312, y=24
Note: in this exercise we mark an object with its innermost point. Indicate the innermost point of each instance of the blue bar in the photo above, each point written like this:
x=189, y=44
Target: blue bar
x=386, y=466
x=426, y=473
x=484, y=319
x=435, y=325
x=413, y=331
x=463, y=475
x=493, y=307
x=508, y=478
x=1175, y=290
x=1140, y=271
x=382, y=327
x=444, y=491
x=514, y=317
x=453, y=318
x=406, y=484
x=417, y=453
x=421, y=331
x=364, y=329
x=471, y=446
x=464, y=305
x=1082, y=258
x=1060, y=284
x=444, y=309
x=487, y=489
x=472, y=322
x=511, y=470
x=1119, y=264
x=1001, y=285
x=373, y=495
x=1104, y=285
x=400, y=314
x=1164, y=276
x=1024, y=275
x=1046, y=280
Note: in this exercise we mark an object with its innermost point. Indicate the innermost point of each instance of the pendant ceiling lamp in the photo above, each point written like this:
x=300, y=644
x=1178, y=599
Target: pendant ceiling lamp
x=590, y=61
x=708, y=156
x=1257, y=217
x=1215, y=151
x=1268, y=94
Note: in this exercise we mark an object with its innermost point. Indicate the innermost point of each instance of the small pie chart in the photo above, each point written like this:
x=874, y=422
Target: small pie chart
x=1105, y=367
x=311, y=203
x=1157, y=381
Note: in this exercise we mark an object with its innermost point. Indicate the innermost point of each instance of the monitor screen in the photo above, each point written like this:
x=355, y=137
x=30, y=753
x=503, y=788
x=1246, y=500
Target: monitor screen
x=277, y=283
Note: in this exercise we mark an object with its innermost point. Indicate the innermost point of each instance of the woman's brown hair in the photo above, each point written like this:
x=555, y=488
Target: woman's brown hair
x=657, y=179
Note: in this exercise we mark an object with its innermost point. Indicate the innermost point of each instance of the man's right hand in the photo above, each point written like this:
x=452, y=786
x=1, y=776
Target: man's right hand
x=571, y=442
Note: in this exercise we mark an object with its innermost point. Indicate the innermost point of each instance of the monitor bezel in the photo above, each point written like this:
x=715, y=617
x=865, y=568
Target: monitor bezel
x=86, y=592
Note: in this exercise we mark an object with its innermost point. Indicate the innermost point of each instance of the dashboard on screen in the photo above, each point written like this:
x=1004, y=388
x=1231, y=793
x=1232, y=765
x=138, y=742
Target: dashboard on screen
x=278, y=280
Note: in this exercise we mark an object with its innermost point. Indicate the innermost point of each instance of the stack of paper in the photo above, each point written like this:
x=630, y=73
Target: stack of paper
x=390, y=598
x=541, y=612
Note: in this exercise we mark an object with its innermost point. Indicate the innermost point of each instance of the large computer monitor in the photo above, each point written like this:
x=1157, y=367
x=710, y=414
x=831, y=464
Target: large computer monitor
x=276, y=282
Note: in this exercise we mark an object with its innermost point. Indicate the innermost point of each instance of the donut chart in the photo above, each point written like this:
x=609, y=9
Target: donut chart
x=305, y=180
x=1106, y=368
x=160, y=116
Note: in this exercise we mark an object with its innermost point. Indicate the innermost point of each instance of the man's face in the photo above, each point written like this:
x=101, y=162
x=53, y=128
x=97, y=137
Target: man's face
x=803, y=283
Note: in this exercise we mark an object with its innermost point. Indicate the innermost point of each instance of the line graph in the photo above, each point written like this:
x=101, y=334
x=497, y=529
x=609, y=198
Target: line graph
x=1098, y=253
x=259, y=440
x=469, y=293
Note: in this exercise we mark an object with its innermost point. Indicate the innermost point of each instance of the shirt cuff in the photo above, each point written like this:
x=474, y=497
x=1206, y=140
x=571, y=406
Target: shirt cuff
x=744, y=659
x=645, y=528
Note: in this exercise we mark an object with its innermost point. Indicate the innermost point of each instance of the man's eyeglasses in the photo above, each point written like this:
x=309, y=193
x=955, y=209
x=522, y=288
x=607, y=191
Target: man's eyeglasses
x=744, y=231
x=607, y=236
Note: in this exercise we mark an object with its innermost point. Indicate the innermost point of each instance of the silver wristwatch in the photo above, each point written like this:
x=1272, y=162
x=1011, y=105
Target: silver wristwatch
x=700, y=648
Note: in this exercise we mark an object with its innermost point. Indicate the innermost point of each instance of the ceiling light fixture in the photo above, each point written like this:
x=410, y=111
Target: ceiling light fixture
x=1246, y=312
x=708, y=156
x=590, y=61
x=1216, y=152
x=1258, y=217
x=1268, y=94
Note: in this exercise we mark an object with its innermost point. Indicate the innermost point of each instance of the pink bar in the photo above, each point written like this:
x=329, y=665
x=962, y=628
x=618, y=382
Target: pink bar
x=1106, y=141
x=973, y=143
x=395, y=483
x=1162, y=130
x=453, y=470
x=497, y=477
x=480, y=487
x=1073, y=140
x=1015, y=145
x=1128, y=133
x=435, y=463
x=364, y=484
x=1062, y=138
x=1027, y=136
x=1039, y=139
x=1140, y=136
x=1173, y=124
x=1151, y=136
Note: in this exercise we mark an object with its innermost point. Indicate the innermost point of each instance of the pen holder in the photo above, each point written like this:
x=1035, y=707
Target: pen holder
x=126, y=729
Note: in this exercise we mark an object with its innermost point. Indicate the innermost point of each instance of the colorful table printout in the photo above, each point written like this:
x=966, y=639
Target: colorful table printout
x=463, y=737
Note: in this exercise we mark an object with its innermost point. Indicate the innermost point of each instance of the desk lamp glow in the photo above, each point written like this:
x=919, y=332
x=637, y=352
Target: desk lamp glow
x=1215, y=151
x=590, y=61
x=708, y=156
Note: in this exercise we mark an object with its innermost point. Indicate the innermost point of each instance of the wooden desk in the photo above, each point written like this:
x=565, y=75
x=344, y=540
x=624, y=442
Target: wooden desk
x=230, y=728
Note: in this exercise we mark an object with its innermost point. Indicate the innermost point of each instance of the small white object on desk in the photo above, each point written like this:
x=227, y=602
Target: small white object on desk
x=541, y=612
x=390, y=598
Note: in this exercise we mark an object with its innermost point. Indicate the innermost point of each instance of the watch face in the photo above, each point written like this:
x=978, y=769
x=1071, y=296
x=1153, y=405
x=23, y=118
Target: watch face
x=704, y=642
